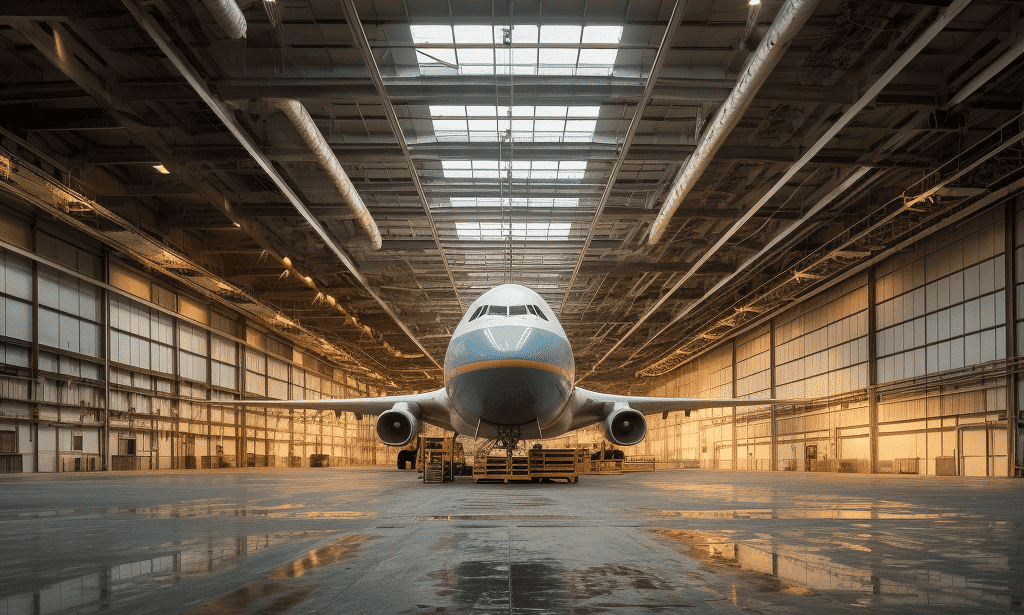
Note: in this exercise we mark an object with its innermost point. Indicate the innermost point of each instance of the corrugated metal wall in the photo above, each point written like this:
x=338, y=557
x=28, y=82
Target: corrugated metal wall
x=165, y=348
x=934, y=399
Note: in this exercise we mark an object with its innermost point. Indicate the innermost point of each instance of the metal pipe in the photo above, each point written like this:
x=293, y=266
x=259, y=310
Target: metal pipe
x=360, y=41
x=302, y=121
x=659, y=61
x=987, y=73
x=788, y=22
x=228, y=16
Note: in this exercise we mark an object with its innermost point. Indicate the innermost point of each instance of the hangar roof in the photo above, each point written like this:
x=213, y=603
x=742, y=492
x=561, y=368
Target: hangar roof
x=663, y=173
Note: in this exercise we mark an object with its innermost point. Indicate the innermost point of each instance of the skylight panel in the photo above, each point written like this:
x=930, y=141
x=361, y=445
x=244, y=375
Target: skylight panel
x=480, y=57
x=549, y=125
x=561, y=56
x=545, y=50
x=521, y=231
x=432, y=35
x=474, y=123
x=448, y=110
x=437, y=57
x=520, y=34
x=584, y=126
x=450, y=124
x=475, y=35
x=483, y=125
x=598, y=57
x=521, y=169
x=560, y=35
x=551, y=111
x=597, y=35
x=538, y=202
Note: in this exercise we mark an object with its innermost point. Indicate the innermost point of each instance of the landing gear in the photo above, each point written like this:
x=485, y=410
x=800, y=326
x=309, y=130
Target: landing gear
x=508, y=438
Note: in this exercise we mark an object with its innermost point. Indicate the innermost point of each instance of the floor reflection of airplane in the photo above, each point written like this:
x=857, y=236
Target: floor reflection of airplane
x=509, y=375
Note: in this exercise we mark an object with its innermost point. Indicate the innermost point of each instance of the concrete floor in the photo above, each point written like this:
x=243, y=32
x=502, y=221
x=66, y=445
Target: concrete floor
x=379, y=541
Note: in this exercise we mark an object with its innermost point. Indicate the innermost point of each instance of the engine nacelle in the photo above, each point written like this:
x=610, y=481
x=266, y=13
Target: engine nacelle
x=397, y=426
x=625, y=427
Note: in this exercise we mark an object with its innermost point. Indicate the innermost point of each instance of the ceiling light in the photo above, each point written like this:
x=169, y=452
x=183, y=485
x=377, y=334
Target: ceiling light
x=161, y=168
x=754, y=2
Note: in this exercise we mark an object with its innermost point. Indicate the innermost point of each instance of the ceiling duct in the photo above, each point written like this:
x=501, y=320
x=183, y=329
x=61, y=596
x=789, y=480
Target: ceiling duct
x=788, y=22
x=302, y=121
x=228, y=16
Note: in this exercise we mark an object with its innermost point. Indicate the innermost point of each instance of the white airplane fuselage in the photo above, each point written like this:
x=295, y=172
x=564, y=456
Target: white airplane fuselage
x=509, y=364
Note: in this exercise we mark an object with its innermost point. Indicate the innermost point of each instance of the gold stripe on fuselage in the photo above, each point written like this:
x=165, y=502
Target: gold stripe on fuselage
x=472, y=367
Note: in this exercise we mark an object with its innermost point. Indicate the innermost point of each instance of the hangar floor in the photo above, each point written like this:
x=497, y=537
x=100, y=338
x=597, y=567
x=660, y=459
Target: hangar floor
x=379, y=541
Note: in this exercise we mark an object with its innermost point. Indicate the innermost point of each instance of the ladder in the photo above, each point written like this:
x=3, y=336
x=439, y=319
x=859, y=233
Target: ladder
x=433, y=472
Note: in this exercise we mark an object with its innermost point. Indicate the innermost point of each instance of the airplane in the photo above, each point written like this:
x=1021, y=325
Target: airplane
x=509, y=375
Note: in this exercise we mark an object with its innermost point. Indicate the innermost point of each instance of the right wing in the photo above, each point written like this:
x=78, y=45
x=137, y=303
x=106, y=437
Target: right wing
x=592, y=407
x=435, y=406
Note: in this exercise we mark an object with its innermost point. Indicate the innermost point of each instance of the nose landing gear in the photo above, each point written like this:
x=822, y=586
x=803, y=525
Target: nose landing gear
x=508, y=437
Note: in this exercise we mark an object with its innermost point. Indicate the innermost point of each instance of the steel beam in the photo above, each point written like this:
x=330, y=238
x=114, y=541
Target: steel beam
x=360, y=40
x=675, y=17
x=226, y=115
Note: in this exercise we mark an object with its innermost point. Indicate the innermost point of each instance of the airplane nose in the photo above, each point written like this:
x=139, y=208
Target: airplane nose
x=507, y=340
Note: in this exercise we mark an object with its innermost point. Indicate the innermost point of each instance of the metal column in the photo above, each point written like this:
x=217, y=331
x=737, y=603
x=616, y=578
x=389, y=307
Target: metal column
x=872, y=376
x=773, y=454
x=1010, y=291
x=735, y=447
x=105, y=300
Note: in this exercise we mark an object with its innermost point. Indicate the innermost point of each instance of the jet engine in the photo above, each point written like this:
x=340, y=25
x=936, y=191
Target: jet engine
x=397, y=426
x=625, y=427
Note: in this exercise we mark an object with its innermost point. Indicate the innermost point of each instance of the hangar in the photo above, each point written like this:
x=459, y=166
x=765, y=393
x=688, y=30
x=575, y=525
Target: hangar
x=209, y=200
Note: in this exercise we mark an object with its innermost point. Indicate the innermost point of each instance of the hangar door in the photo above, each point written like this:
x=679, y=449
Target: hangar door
x=982, y=450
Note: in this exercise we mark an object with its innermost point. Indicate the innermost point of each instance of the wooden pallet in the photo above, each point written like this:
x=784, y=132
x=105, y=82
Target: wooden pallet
x=537, y=464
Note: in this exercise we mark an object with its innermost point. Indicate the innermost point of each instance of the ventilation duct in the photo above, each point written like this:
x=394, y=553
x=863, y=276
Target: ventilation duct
x=228, y=16
x=302, y=121
x=788, y=22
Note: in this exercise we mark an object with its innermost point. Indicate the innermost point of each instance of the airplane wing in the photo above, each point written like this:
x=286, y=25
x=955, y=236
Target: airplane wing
x=434, y=406
x=592, y=407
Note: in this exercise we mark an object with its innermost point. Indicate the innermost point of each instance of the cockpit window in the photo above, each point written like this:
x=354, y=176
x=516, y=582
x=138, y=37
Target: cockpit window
x=479, y=310
x=517, y=310
x=497, y=310
x=539, y=312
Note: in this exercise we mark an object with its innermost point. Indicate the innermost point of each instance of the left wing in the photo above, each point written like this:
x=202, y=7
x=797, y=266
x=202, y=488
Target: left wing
x=434, y=406
x=590, y=407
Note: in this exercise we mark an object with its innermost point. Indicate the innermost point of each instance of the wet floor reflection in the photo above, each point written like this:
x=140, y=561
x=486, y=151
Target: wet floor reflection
x=107, y=587
x=546, y=586
x=867, y=513
x=982, y=580
x=196, y=509
x=476, y=517
x=273, y=596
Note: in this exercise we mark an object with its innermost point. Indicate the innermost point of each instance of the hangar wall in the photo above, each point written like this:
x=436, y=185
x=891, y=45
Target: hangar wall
x=63, y=301
x=908, y=362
